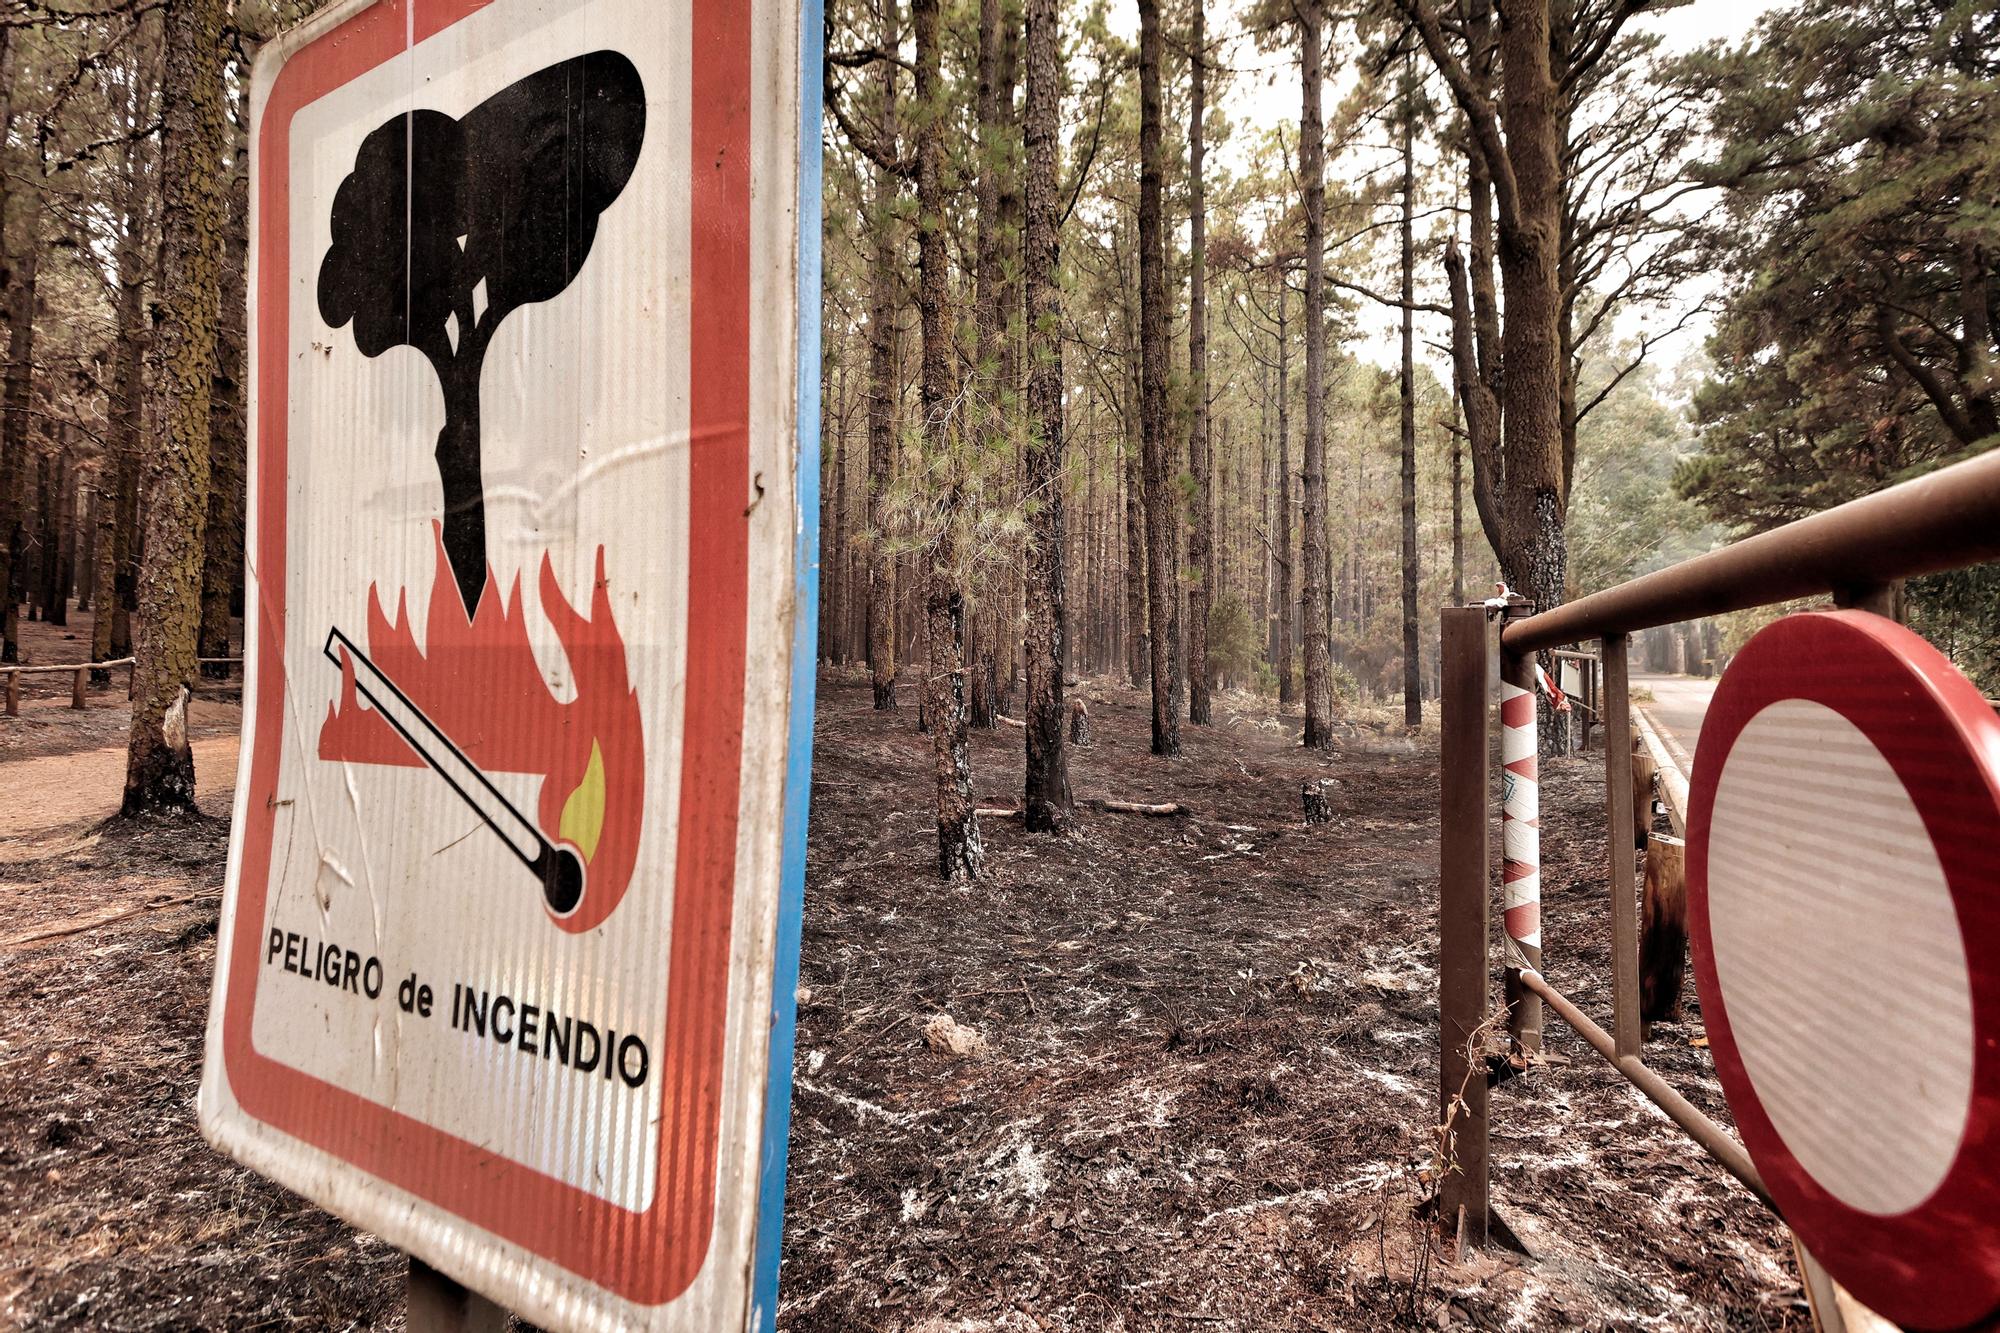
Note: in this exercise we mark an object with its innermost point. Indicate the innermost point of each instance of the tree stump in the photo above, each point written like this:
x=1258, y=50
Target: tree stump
x=1316, y=794
x=1663, y=931
x=1079, y=723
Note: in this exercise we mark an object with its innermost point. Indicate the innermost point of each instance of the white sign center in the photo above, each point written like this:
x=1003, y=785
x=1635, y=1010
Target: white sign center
x=1839, y=953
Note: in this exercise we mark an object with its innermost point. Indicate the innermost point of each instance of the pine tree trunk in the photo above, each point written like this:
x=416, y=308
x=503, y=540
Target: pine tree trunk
x=1288, y=685
x=1413, y=682
x=223, y=537
x=882, y=393
x=83, y=544
x=1137, y=657
x=1457, y=521
x=1201, y=533
x=1162, y=538
x=159, y=773
x=14, y=459
x=959, y=850
x=1534, y=506
x=1312, y=174
x=1045, y=802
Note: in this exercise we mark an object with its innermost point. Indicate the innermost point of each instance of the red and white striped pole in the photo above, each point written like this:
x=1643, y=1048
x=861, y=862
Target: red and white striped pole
x=1521, y=843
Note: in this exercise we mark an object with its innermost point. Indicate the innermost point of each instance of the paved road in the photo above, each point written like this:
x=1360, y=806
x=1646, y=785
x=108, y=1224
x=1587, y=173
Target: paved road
x=1678, y=705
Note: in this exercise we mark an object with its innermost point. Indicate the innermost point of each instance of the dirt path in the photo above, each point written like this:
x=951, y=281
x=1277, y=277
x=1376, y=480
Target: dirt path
x=1206, y=1099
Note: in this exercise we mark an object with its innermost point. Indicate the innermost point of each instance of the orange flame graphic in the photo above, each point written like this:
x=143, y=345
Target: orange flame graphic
x=477, y=679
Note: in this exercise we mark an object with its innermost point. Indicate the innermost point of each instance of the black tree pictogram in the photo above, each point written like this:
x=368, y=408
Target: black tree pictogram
x=447, y=226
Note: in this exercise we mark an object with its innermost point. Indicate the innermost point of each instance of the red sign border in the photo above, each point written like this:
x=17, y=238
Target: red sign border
x=648, y=1257
x=1938, y=1264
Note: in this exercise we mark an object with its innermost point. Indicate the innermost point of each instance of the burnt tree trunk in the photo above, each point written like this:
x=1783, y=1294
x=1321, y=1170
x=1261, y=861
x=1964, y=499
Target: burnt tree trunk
x=1162, y=542
x=1046, y=799
x=1288, y=685
x=223, y=540
x=1201, y=532
x=1413, y=681
x=959, y=850
x=1137, y=656
x=14, y=460
x=882, y=393
x=1312, y=175
x=159, y=771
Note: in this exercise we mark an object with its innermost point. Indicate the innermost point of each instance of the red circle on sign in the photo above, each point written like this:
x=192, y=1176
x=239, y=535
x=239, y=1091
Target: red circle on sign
x=1934, y=1262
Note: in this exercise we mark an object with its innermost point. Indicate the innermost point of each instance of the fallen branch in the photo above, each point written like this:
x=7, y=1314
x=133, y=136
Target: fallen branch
x=1138, y=807
x=1010, y=721
x=1105, y=807
x=78, y=927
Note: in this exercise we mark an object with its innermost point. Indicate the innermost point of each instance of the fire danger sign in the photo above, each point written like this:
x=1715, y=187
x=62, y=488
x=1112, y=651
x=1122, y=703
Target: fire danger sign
x=511, y=929
x=1844, y=895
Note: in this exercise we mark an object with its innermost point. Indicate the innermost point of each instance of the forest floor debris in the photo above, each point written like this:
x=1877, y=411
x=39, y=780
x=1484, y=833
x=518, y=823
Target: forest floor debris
x=1205, y=1101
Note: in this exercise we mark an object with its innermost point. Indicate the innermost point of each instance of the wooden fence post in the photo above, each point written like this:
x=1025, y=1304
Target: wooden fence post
x=1464, y=909
x=76, y=688
x=1622, y=812
x=13, y=694
x=1663, y=945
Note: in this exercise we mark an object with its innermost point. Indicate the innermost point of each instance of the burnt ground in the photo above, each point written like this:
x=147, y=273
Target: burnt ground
x=1205, y=1099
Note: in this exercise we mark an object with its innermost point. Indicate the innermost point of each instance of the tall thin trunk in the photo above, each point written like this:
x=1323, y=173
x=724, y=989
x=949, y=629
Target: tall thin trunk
x=959, y=850
x=882, y=395
x=989, y=422
x=223, y=539
x=159, y=771
x=1312, y=174
x=1201, y=533
x=1162, y=540
x=1045, y=795
x=1288, y=686
x=14, y=405
x=1413, y=681
x=1137, y=656
x=1457, y=521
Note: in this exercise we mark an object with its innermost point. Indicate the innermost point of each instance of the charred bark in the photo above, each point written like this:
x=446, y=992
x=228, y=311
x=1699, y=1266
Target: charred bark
x=159, y=773
x=1312, y=176
x=1162, y=536
x=959, y=851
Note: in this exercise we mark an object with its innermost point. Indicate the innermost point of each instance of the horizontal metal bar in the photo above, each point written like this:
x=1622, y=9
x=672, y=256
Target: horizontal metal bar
x=1946, y=520
x=1713, y=1138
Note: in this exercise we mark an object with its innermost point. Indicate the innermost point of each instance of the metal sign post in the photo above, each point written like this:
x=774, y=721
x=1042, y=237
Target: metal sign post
x=510, y=939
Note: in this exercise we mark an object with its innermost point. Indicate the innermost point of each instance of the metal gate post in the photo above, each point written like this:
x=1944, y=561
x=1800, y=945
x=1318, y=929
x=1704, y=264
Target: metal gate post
x=1464, y=897
x=1521, y=843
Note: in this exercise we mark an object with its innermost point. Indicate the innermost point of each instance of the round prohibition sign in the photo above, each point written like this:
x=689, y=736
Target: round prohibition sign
x=1844, y=901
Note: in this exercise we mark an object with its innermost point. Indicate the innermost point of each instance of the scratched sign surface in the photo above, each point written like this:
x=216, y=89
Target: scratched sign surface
x=512, y=907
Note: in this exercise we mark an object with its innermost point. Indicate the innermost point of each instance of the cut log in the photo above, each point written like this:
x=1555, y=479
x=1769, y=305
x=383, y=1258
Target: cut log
x=997, y=812
x=1663, y=931
x=1010, y=721
x=1079, y=723
x=1140, y=808
x=1316, y=794
x=1643, y=771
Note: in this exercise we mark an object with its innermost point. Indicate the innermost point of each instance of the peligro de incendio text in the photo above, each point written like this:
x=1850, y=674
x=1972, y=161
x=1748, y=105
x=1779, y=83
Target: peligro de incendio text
x=533, y=1030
